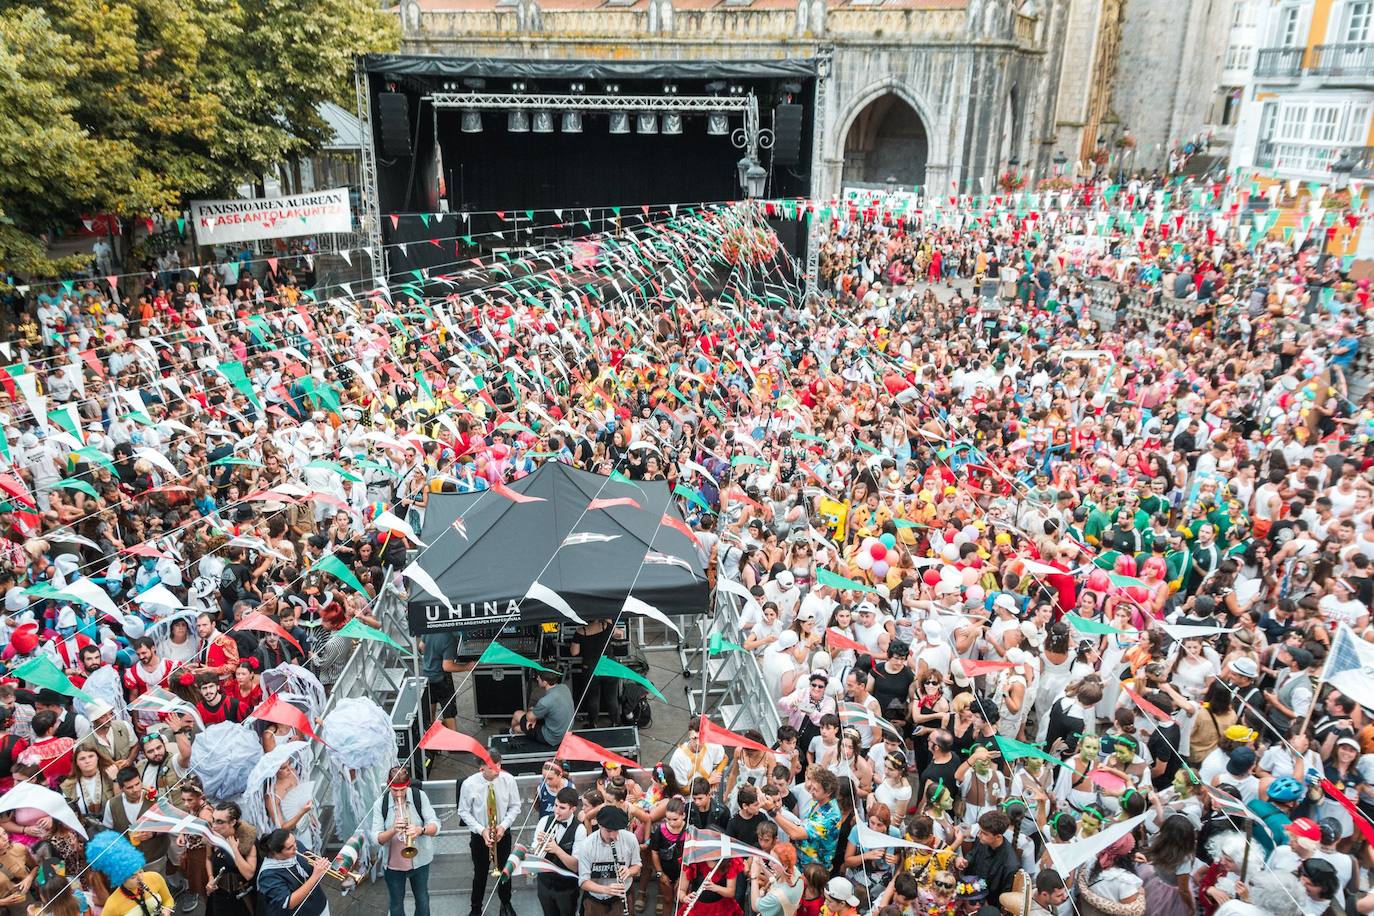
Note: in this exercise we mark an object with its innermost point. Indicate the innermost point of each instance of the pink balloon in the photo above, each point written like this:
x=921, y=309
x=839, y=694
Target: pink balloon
x=1139, y=593
x=880, y=569
x=970, y=576
x=1098, y=581
x=878, y=551
x=975, y=593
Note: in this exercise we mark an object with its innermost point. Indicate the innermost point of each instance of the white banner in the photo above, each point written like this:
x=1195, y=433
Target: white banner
x=219, y=221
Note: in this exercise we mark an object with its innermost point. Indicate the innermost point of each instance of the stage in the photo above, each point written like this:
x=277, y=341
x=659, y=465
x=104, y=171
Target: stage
x=538, y=150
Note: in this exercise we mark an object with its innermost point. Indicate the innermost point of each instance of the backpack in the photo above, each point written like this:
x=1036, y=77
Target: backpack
x=414, y=801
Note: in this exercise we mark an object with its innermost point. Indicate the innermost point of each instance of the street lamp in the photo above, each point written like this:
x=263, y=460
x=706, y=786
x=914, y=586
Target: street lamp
x=756, y=179
x=1060, y=160
x=891, y=184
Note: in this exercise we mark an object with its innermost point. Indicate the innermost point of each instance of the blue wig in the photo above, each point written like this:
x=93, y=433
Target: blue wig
x=114, y=857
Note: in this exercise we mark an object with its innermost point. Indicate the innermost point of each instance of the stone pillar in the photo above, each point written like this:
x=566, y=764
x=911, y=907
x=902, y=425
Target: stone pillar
x=937, y=180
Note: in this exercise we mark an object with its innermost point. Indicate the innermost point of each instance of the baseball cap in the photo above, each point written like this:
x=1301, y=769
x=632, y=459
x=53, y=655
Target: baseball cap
x=1005, y=601
x=785, y=579
x=1242, y=733
x=1242, y=759
x=841, y=889
x=1306, y=828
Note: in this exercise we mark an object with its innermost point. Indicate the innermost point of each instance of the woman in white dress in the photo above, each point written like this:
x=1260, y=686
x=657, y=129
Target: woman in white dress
x=290, y=805
x=895, y=789
x=1111, y=887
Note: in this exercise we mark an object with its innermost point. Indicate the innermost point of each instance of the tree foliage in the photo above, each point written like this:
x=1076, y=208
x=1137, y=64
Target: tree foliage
x=134, y=106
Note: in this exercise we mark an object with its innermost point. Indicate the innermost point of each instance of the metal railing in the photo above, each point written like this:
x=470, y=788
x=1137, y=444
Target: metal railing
x=1349, y=59
x=364, y=673
x=1279, y=62
x=735, y=691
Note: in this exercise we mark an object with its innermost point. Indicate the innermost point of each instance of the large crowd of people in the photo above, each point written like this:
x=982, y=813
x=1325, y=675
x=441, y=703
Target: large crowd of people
x=1044, y=602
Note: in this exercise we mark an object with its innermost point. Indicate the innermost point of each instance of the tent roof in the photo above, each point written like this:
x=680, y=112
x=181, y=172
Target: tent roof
x=510, y=545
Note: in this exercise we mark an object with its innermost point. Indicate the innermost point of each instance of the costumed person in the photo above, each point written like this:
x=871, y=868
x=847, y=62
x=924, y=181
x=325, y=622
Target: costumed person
x=277, y=796
x=404, y=824
x=1111, y=887
x=229, y=873
x=360, y=750
x=488, y=803
x=607, y=863
x=289, y=883
x=556, y=834
x=135, y=890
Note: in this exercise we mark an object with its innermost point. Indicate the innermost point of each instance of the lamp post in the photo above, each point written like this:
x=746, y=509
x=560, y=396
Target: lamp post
x=890, y=183
x=1341, y=170
x=1060, y=160
x=753, y=178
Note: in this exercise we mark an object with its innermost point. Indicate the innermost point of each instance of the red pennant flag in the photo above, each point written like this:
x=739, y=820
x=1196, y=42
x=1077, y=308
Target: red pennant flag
x=15, y=488
x=275, y=709
x=976, y=667
x=610, y=503
x=441, y=738
x=837, y=639
x=1361, y=822
x=264, y=624
x=92, y=361
x=501, y=489
x=711, y=733
x=680, y=527
x=272, y=263
x=575, y=748
x=1147, y=706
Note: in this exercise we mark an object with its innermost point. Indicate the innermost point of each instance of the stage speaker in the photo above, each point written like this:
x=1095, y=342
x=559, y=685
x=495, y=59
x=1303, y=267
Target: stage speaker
x=787, y=132
x=393, y=115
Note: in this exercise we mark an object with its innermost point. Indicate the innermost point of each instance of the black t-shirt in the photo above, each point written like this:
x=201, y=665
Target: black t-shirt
x=669, y=851
x=889, y=687
x=592, y=647
x=746, y=831
x=1163, y=745
x=713, y=818
x=936, y=771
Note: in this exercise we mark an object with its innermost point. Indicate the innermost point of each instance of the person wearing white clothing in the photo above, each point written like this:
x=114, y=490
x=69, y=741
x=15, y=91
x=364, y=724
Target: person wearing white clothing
x=489, y=803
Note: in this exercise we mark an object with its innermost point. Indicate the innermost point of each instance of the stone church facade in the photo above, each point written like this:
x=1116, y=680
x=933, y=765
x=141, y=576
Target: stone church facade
x=940, y=94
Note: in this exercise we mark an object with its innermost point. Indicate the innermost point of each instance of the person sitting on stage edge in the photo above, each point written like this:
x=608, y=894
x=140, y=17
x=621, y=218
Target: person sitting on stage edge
x=544, y=725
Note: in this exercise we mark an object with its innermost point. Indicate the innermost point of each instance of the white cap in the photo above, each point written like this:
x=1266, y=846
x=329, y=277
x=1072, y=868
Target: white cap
x=841, y=889
x=16, y=599
x=1005, y=601
x=933, y=629
x=785, y=579
x=786, y=639
x=1032, y=634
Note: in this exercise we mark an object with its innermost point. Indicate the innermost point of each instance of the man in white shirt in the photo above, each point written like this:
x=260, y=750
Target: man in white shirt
x=489, y=803
x=694, y=759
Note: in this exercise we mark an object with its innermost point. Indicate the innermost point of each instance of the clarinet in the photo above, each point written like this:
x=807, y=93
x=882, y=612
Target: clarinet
x=701, y=888
x=624, y=896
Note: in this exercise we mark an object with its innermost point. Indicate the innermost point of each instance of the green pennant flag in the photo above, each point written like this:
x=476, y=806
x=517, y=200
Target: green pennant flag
x=337, y=469
x=94, y=455
x=719, y=645
x=356, y=629
x=906, y=523
x=737, y=460
x=1125, y=581
x=835, y=580
x=234, y=372
x=4, y=445
x=609, y=667
x=621, y=478
x=66, y=418
x=866, y=447
x=497, y=654
x=336, y=568
x=692, y=496
x=427, y=391
x=78, y=485
x=1084, y=625
x=808, y=437
x=376, y=466
x=236, y=461
x=139, y=417
x=41, y=672
x=1014, y=750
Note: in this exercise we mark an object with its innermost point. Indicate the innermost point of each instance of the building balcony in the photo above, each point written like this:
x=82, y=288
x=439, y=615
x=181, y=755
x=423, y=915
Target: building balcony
x=1264, y=154
x=1344, y=60
x=1280, y=63
x=1304, y=159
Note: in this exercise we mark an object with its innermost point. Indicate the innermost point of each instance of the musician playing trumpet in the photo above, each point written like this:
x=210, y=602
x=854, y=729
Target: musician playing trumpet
x=289, y=883
x=489, y=803
x=230, y=877
x=405, y=820
x=607, y=862
x=556, y=835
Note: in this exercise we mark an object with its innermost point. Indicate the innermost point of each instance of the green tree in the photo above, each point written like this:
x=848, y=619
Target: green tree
x=135, y=106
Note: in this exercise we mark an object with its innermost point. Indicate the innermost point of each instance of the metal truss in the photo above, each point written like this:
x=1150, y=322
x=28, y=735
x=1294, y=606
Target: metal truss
x=537, y=101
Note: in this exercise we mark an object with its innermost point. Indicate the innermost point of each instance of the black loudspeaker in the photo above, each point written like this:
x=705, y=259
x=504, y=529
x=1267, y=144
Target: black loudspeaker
x=787, y=132
x=393, y=115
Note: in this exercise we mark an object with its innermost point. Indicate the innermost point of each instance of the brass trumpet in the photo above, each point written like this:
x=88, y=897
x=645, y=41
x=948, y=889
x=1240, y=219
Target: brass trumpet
x=342, y=874
x=495, y=871
x=409, y=851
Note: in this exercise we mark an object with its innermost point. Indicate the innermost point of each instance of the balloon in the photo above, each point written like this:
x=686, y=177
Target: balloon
x=975, y=593
x=867, y=544
x=950, y=575
x=864, y=561
x=1098, y=581
x=1138, y=593
x=1125, y=565
x=970, y=576
x=931, y=576
x=959, y=540
x=877, y=551
x=970, y=532
x=880, y=569
x=950, y=553
x=889, y=540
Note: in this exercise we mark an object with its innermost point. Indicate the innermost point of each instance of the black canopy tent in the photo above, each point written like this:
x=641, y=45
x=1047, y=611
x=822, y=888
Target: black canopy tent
x=508, y=544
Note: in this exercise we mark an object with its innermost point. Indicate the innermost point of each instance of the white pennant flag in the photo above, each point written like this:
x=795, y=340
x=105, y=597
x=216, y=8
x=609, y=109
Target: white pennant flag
x=693, y=466
x=634, y=606
x=87, y=592
x=587, y=537
x=1068, y=856
x=541, y=592
x=461, y=527
x=414, y=573
x=388, y=521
